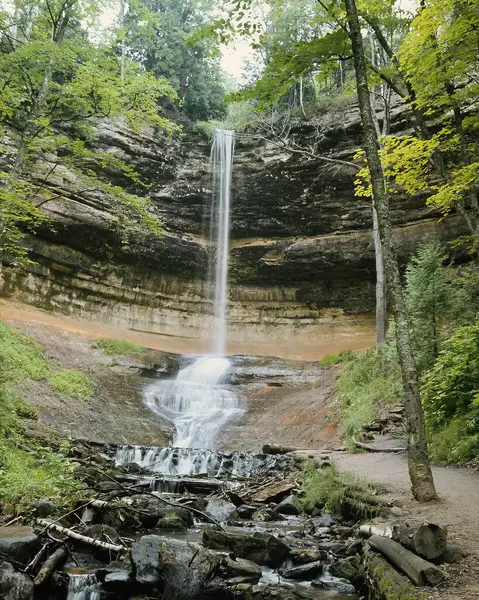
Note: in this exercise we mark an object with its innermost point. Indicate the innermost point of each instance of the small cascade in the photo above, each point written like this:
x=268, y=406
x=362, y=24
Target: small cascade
x=198, y=402
x=193, y=462
x=83, y=587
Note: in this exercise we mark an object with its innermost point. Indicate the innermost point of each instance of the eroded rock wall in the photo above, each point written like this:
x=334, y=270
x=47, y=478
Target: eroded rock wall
x=301, y=242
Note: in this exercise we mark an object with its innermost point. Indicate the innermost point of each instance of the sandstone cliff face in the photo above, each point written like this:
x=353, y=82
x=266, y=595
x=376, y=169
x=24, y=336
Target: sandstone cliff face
x=300, y=241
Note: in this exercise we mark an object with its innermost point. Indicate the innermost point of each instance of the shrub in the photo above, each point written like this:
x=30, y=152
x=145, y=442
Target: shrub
x=450, y=394
x=112, y=347
x=338, y=493
x=451, y=386
x=25, y=477
x=72, y=382
x=368, y=380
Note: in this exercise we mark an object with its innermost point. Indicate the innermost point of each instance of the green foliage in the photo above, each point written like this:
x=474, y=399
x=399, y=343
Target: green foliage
x=450, y=393
x=52, y=79
x=451, y=386
x=369, y=380
x=25, y=477
x=456, y=443
x=429, y=298
x=331, y=360
x=339, y=493
x=72, y=382
x=112, y=347
x=157, y=34
x=21, y=357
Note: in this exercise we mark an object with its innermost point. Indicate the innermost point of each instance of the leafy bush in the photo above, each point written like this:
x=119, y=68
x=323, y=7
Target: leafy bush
x=338, y=493
x=112, y=347
x=368, y=380
x=450, y=394
x=72, y=382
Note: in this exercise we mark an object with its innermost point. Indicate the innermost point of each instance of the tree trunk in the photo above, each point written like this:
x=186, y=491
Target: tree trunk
x=418, y=461
x=428, y=540
x=419, y=571
x=381, y=321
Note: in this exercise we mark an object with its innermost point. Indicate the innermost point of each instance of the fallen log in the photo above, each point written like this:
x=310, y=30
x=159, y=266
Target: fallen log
x=275, y=449
x=385, y=583
x=366, y=531
x=419, y=571
x=428, y=540
x=74, y=535
x=49, y=566
x=369, y=448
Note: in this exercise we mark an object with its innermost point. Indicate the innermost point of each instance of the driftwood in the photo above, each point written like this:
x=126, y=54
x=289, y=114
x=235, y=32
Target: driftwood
x=52, y=562
x=37, y=558
x=385, y=583
x=74, y=535
x=374, y=449
x=428, y=540
x=419, y=571
x=367, y=531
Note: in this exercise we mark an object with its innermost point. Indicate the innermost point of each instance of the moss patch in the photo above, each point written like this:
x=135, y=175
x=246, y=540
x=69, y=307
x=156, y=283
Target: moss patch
x=112, y=347
x=72, y=382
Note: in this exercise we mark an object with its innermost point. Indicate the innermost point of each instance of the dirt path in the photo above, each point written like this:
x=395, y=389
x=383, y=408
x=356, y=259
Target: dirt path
x=458, y=509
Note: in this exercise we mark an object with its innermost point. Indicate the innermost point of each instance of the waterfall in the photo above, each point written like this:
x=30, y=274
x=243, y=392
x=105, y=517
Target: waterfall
x=83, y=587
x=221, y=163
x=198, y=402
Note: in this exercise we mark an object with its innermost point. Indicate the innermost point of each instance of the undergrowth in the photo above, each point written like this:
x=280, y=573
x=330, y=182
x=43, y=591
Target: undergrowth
x=72, y=383
x=28, y=471
x=331, y=491
x=112, y=347
x=367, y=382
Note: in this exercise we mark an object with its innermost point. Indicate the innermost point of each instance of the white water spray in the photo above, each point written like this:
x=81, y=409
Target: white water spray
x=199, y=402
x=83, y=587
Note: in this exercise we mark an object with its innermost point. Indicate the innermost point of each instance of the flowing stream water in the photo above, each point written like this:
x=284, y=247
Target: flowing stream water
x=83, y=587
x=199, y=402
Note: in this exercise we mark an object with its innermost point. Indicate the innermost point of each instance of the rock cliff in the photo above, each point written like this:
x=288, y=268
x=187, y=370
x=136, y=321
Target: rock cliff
x=301, y=242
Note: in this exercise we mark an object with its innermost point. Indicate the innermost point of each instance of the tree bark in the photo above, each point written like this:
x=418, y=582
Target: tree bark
x=428, y=540
x=52, y=562
x=419, y=571
x=418, y=461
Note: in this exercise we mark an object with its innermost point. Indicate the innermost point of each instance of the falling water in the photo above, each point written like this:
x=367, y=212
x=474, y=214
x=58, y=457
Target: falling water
x=199, y=402
x=222, y=167
x=83, y=587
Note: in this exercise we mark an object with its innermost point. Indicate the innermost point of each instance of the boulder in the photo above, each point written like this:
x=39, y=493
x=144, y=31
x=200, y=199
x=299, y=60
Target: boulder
x=19, y=543
x=44, y=508
x=152, y=509
x=221, y=510
x=171, y=523
x=348, y=568
x=306, y=571
x=342, y=586
x=245, y=511
x=261, y=548
x=240, y=569
x=274, y=592
x=302, y=556
x=13, y=584
x=147, y=553
x=288, y=506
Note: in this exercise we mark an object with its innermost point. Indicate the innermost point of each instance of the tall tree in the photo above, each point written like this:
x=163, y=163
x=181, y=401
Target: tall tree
x=418, y=462
x=156, y=33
